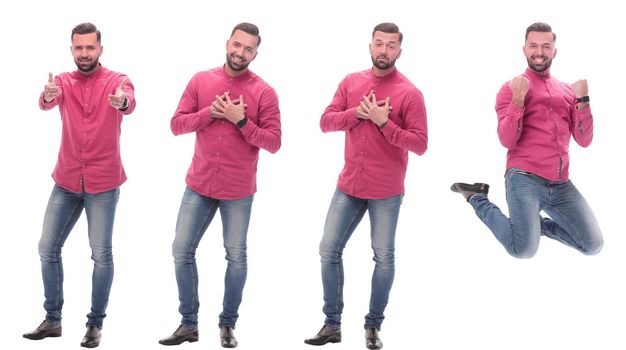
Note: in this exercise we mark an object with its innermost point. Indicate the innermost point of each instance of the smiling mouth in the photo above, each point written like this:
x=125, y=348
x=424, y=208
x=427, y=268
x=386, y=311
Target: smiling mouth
x=238, y=60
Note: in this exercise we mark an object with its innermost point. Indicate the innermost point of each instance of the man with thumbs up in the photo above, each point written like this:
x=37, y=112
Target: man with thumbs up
x=233, y=114
x=92, y=101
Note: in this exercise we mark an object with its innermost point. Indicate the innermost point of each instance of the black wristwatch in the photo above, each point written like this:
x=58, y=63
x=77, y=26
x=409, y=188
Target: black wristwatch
x=583, y=99
x=242, y=122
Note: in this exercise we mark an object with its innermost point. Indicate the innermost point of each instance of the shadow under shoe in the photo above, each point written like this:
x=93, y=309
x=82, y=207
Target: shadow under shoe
x=468, y=190
x=92, y=337
x=326, y=335
x=227, y=338
x=372, y=340
x=44, y=330
x=181, y=335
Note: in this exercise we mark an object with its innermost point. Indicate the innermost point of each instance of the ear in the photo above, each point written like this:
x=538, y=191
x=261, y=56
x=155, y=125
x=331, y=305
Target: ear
x=555, y=50
x=399, y=53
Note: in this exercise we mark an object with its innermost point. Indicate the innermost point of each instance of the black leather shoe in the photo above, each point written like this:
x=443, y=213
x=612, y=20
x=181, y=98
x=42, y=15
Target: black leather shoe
x=181, y=335
x=468, y=190
x=372, y=341
x=227, y=338
x=92, y=337
x=46, y=329
x=326, y=335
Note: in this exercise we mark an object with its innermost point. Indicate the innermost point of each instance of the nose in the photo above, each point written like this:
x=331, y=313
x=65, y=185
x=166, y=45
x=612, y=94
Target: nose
x=539, y=51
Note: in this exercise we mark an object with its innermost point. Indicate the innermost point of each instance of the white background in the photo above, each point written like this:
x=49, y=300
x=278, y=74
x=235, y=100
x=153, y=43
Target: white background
x=455, y=286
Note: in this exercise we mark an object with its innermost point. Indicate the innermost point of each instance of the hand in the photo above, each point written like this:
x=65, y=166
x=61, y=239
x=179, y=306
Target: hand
x=362, y=112
x=118, y=99
x=51, y=90
x=580, y=88
x=519, y=86
x=231, y=110
x=376, y=111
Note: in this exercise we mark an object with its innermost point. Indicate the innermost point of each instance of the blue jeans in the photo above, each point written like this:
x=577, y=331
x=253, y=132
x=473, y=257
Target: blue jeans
x=344, y=215
x=195, y=215
x=571, y=220
x=64, y=209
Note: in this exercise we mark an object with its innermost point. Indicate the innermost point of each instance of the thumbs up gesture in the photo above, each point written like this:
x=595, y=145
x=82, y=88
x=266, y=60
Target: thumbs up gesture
x=51, y=90
x=119, y=100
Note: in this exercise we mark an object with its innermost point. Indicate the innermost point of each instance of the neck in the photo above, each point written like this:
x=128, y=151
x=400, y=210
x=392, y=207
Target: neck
x=91, y=72
x=383, y=72
x=234, y=73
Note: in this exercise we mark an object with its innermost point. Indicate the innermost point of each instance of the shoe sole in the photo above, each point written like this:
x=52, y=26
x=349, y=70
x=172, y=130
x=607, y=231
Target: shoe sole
x=329, y=340
x=191, y=340
x=53, y=335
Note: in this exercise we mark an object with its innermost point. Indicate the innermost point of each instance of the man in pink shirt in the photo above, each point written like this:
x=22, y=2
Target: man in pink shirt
x=92, y=101
x=383, y=116
x=537, y=116
x=233, y=113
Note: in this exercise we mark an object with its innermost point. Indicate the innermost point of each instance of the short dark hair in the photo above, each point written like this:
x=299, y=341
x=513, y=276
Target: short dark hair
x=86, y=28
x=539, y=27
x=248, y=28
x=388, y=27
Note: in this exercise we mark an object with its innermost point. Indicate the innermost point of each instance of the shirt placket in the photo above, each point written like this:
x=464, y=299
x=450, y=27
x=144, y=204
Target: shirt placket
x=554, y=117
x=86, y=93
x=363, y=146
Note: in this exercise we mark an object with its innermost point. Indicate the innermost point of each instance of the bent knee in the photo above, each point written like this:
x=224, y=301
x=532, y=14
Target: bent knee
x=522, y=252
x=594, y=247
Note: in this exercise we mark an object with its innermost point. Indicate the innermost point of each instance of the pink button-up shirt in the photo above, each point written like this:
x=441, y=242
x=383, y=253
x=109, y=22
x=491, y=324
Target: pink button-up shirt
x=538, y=135
x=89, y=157
x=376, y=159
x=225, y=160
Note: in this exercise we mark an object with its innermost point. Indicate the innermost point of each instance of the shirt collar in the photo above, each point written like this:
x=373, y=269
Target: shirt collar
x=391, y=75
x=532, y=74
x=78, y=75
x=244, y=75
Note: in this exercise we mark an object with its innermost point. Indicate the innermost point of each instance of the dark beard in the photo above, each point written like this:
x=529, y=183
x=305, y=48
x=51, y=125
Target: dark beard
x=88, y=68
x=236, y=67
x=381, y=65
x=538, y=69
